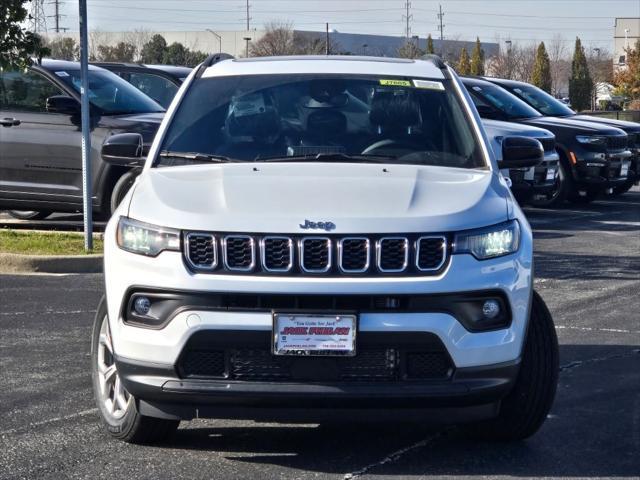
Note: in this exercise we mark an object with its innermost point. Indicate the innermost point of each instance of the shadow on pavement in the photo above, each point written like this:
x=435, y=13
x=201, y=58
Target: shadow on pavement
x=593, y=430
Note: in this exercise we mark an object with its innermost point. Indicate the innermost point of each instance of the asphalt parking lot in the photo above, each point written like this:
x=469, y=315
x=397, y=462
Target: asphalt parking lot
x=588, y=271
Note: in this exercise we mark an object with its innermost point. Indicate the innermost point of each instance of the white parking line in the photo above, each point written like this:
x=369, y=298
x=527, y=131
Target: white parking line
x=51, y=420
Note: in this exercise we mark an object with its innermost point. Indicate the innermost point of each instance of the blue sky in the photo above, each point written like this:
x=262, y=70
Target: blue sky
x=522, y=21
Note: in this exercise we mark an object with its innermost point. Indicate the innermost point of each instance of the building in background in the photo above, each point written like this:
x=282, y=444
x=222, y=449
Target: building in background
x=235, y=42
x=627, y=33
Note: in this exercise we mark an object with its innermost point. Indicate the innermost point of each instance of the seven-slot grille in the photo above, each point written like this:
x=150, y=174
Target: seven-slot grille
x=617, y=143
x=314, y=255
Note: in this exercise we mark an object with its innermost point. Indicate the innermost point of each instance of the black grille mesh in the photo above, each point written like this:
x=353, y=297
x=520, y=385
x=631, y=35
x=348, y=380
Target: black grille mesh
x=431, y=253
x=277, y=253
x=617, y=142
x=201, y=250
x=355, y=254
x=548, y=143
x=316, y=254
x=393, y=253
x=373, y=364
x=239, y=252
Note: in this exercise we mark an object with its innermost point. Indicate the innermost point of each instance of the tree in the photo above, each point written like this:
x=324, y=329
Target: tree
x=194, y=57
x=64, y=48
x=580, y=83
x=154, y=50
x=559, y=65
x=121, y=52
x=409, y=50
x=627, y=79
x=464, y=66
x=17, y=45
x=176, y=54
x=278, y=39
x=541, y=75
x=430, y=49
x=477, y=59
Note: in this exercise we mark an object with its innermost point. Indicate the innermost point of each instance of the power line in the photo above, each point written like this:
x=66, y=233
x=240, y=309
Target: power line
x=57, y=15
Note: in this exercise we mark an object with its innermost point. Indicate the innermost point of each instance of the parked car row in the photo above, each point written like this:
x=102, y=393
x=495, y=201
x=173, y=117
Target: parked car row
x=40, y=136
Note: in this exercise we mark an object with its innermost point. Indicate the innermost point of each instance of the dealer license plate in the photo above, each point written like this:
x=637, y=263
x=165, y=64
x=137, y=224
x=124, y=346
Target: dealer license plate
x=314, y=334
x=551, y=174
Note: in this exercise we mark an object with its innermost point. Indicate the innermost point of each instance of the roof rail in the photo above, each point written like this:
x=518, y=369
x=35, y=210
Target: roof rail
x=212, y=60
x=435, y=59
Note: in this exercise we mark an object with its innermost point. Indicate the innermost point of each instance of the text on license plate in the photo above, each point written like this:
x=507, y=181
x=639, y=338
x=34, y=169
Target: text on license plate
x=311, y=334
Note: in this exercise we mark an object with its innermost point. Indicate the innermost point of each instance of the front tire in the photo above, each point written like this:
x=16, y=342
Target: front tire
x=559, y=194
x=116, y=406
x=120, y=189
x=525, y=408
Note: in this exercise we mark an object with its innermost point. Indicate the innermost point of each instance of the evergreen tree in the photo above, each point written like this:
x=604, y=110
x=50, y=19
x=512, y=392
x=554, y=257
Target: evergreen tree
x=154, y=50
x=541, y=75
x=17, y=44
x=477, y=59
x=430, y=49
x=464, y=65
x=580, y=83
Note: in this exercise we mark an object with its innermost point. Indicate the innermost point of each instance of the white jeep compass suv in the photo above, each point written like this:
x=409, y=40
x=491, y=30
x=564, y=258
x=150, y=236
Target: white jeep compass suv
x=319, y=237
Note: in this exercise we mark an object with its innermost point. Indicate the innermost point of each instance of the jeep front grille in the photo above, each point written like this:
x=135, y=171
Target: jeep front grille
x=330, y=255
x=617, y=143
x=548, y=143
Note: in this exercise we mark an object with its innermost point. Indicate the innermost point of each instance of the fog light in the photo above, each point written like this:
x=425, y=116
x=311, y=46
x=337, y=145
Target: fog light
x=491, y=308
x=142, y=305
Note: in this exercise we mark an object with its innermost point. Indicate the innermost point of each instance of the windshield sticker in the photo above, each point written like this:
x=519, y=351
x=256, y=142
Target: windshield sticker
x=62, y=74
x=428, y=84
x=517, y=90
x=477, y=89
x=396, y=83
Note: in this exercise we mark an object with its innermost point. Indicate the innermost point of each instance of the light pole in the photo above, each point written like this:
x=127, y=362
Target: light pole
x=626, y=38
x=508, y=43
x=246, y=48
x=218, y=37
x=596, y=75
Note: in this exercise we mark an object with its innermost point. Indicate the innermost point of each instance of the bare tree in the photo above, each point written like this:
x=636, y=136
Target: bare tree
x=98, y=38
x=560, y=65
x=138, y=38
x=409, y=49
x=277, y=40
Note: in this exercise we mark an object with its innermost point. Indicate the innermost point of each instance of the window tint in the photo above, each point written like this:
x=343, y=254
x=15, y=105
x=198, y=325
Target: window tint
x=255, y=117
x=542, y=101
x=159, y=88
x=507, y=103
x=26, y=91
x=110, y=93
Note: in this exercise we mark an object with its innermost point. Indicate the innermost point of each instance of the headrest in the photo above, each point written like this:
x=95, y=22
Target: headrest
x=253, y=117
x=394, y=109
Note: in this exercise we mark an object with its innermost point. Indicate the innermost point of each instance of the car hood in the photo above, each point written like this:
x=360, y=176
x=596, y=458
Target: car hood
x=278, y=197
x=626, y=126
x=575, y=125
x=146, y=124
x=497, y=128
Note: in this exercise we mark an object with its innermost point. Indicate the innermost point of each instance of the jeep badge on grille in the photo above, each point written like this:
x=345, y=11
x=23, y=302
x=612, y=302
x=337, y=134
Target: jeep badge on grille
x=309, y=225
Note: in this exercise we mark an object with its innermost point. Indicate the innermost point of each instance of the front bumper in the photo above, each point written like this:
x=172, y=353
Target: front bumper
x=601, y=171
x=542, y=179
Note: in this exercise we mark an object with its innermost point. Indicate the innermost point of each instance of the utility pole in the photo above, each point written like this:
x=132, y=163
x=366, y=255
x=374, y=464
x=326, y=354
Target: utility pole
x=38, y=21
x=57, y=15
x=87, y=210
x=248, y=17
x=326, y=45
x=407, y=17
x=441, y=26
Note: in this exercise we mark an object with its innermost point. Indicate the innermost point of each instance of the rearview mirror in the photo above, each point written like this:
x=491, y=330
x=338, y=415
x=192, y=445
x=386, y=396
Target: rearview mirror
x=521, y=152
x=62, y=104
x=123, y=149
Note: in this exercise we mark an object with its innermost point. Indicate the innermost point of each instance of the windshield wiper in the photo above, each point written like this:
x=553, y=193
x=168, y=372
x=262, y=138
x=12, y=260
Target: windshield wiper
x=331, y=157
x=198, y=157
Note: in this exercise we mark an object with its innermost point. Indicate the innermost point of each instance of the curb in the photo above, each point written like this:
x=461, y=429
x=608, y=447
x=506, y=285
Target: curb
x=19, y=263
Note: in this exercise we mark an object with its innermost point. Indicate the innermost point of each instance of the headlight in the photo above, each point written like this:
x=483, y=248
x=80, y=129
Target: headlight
x=489, y=242
x=146, y=239
x=592, y=140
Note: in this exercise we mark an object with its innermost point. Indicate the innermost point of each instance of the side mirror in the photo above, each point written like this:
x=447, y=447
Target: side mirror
x=63, y=104
x=123, y=149
x=521, y=152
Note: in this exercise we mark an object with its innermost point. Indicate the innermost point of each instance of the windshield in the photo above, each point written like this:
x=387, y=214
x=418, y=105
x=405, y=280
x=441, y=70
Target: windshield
x=110, y=93
x=508, y=104
x=322, y=117
x=541, y=101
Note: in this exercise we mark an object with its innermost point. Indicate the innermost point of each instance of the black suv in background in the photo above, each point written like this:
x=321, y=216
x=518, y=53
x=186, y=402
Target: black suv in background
x=160, y=82
x=594, y=158
x=40, y=137
x=547, y=105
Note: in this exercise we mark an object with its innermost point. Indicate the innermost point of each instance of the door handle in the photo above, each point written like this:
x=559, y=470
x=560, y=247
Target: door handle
x=9, y=122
